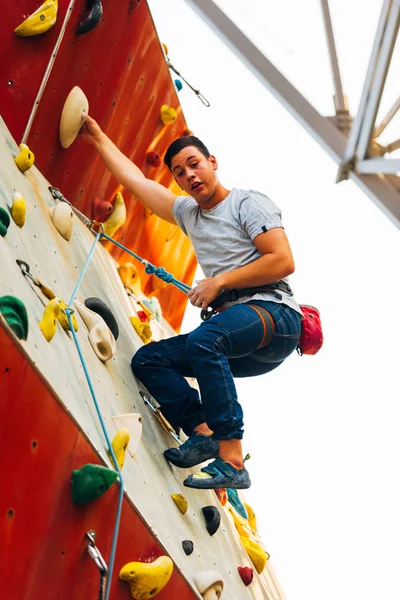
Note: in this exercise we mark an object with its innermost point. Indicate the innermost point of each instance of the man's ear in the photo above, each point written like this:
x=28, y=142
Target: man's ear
x=213, y=161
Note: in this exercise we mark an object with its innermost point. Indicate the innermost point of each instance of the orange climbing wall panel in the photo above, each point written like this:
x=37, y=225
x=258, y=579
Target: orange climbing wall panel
x=121, y=68
x=43, y=550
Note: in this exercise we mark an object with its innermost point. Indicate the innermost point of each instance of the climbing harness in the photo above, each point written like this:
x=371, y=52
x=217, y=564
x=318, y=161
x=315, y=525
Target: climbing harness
x=166, y=425
x=99, y=561
x=232, y=295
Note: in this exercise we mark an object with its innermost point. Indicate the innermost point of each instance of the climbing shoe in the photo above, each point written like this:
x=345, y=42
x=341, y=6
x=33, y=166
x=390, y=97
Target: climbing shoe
x=194, y=451
x=219, y=474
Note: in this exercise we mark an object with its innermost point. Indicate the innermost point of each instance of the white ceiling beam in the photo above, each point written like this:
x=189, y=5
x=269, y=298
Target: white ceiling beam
x=379, y=78
x=340, y=101
x=324, y=131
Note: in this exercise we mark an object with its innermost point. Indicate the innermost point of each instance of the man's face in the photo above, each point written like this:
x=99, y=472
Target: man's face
x=195, y=174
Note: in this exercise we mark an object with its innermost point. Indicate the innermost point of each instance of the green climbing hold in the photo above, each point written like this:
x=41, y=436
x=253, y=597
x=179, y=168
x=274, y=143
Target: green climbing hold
x=14, y=312
x=90, y=482
x=4, y=221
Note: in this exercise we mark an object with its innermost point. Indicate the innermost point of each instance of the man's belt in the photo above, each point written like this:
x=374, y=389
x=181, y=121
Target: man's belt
x=232, y=295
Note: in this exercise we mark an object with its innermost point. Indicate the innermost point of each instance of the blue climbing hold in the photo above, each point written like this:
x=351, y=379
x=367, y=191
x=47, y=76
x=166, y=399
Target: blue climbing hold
x=234, y=499
x=178, y=84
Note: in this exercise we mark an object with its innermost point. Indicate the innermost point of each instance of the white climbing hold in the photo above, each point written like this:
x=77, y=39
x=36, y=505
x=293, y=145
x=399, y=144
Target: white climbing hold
x=210, y=584
x=72, y=116
x=100, y=337
x=62, y=218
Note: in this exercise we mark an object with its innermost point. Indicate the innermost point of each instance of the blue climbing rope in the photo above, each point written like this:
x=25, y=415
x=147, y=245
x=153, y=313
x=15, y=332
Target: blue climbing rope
x=69, y=311
x=151, y=269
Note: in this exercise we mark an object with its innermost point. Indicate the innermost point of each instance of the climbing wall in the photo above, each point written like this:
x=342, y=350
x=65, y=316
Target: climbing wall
x=51, y=428
x=121, y=68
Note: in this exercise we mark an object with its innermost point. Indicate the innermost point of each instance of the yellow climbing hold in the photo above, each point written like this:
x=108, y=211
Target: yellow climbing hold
x=146, y=580
x=181, y=502
x=251, y=516
x=25, y=159
x=168, y=114
x=48, y=324
x=117, y=218
x=119, y=445
x=142, y=329
x=130, y=277
x=18, y=209
x=40, y=21
x=165, y=48
x=241, y=524
x=63, y=319
x=257, y=554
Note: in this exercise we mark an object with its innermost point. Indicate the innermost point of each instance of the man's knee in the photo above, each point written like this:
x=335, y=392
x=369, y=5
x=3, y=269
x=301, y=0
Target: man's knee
x=204, y=340
x=139, y=359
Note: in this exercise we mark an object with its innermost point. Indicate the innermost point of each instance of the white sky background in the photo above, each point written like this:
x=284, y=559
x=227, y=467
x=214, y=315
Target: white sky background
x=323, y=431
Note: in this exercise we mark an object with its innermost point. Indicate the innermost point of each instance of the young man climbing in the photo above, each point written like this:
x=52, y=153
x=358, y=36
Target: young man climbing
x=240, y=243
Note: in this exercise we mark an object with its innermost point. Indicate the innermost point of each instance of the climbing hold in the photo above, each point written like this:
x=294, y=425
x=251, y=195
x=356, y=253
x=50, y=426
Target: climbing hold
x=234, y=499
x=246, y=573
x=210, y=584
x=241, y=524
x=90, y=482
x=100, y=337
x=146, y=580
x=93, y=19
x=165, y=48
x=153, y=159
x=144, y=317
x=101, y=210
x=48, y=324
x=14, y=312
x=63, y=319
x=142, y=329
x=25, y=159
x=181, y=502
x=4, y=221
x=256, y=553
x=168, y=114
x=40, y=21
x=212, y=518
x=62, y=218
x=72, y=120
x=222, y=495
x=251, y=517
x=119, y=445
x=153, y=304
x=118, y=216
x=187, y=546
x=178, y=84
x=18, y=209
x=101, y=308
x=130, y=277
x=133, y=423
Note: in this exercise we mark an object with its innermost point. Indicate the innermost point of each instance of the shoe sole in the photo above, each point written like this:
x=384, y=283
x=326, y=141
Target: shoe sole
x=204, y=484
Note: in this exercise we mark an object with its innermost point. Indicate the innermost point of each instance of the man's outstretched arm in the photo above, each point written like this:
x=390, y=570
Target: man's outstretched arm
x=150, y=193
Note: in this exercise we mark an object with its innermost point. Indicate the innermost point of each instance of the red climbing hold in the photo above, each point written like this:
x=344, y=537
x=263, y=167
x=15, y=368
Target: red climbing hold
x=246, y=573
x=153, y=159
x=101, y=210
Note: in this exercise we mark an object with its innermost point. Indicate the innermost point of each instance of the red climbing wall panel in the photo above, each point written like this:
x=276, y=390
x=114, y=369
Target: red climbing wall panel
x=23, y=62
x=121, y=68
x=43, y=551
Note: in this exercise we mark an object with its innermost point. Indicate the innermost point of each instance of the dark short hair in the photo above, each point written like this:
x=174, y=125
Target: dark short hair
x=183, y=142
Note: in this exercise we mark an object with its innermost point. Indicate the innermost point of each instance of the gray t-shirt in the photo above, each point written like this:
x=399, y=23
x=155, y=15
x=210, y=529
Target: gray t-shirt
x=222, y=236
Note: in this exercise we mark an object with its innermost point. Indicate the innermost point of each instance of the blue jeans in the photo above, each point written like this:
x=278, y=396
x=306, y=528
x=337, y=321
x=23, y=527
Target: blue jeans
x=224, y=347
